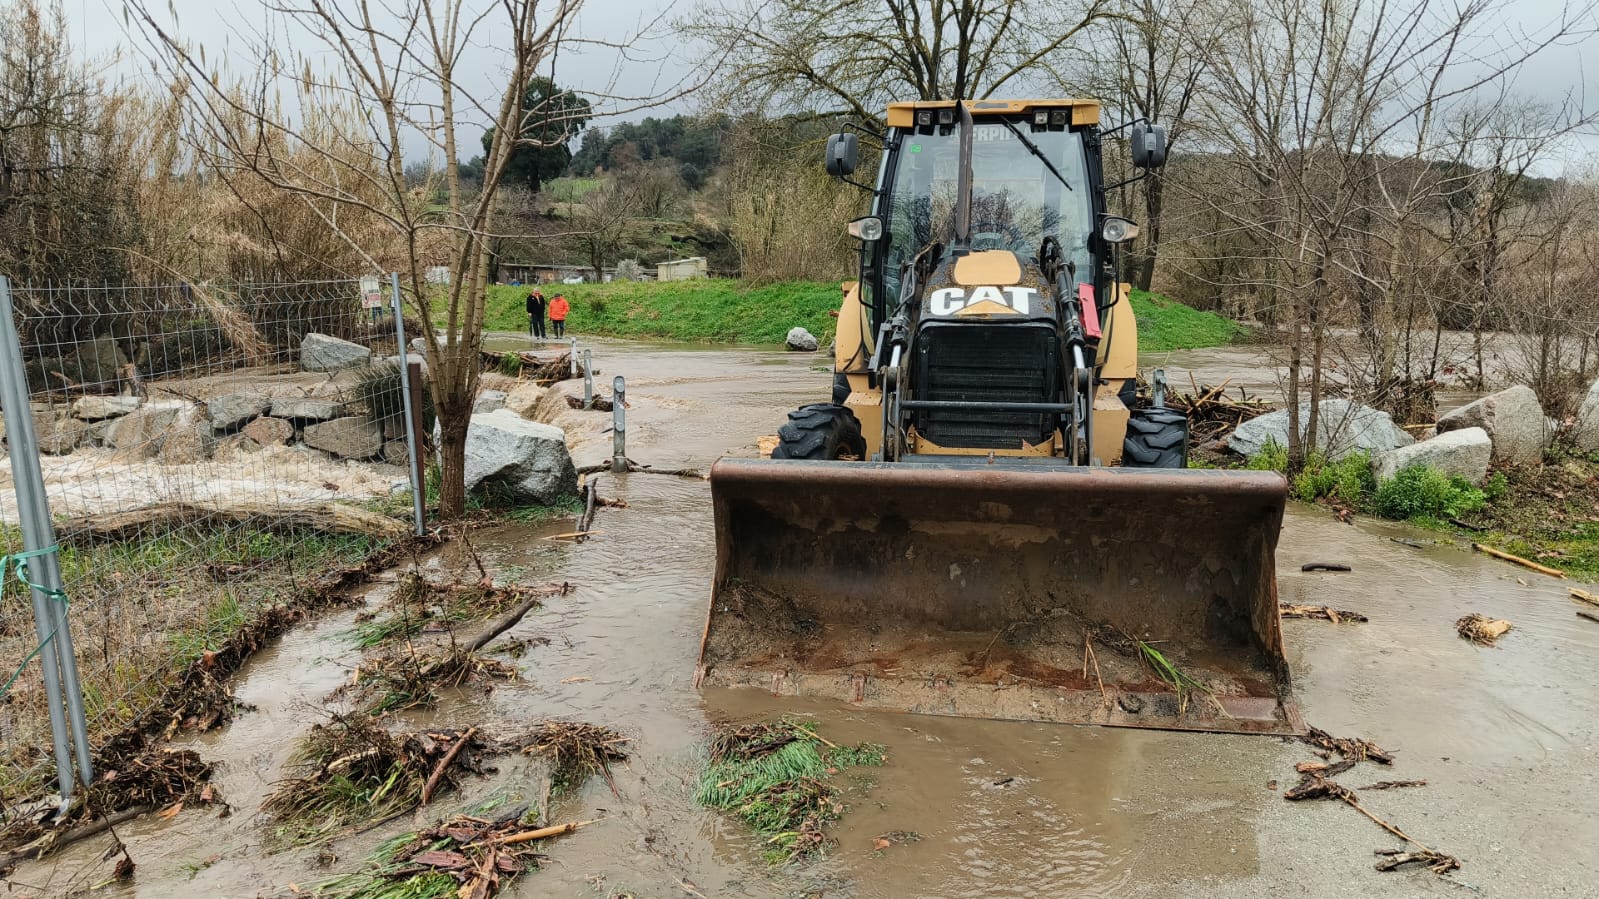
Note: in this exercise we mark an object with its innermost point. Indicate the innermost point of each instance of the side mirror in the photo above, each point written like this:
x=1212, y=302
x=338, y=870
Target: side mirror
x=1115, y=229
x=842, y=153
x=867, y=228
x=1149, y=145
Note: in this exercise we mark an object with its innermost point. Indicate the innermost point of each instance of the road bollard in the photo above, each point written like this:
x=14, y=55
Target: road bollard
x=573, y=356
x=619, y=426
x=588, y=380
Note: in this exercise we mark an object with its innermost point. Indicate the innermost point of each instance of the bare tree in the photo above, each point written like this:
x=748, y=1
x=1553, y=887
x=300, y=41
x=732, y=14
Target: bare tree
x=400, y=67
x=1314, y=105
x=850, y=57
x=600, y=223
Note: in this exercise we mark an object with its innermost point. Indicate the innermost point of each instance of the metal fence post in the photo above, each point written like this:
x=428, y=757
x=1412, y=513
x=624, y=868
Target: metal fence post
x=573, y=356
x=588, y=380
x=51, y=627
x=410, y=412
x=619, y=425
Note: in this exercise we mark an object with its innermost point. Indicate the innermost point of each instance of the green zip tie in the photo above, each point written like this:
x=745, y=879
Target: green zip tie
x=21, y=562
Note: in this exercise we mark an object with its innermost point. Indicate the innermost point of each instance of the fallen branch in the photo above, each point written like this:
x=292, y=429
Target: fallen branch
x=1525, y=563
x=1323, y=613
x=1348, y=747
x=507, y=621
x=1584, y=596
x=1588, y=615
x=1395, y=784
x=55, y=840
x=553, y=831
x=1324, y=566
x=444, y=764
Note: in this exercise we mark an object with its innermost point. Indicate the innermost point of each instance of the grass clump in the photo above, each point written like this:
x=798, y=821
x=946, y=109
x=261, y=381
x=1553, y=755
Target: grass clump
x=777, y=777
x=355, y=772
x=1420, y=492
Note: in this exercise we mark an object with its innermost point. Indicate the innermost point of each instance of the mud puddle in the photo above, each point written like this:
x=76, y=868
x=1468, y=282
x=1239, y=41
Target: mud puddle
x=1505, y=736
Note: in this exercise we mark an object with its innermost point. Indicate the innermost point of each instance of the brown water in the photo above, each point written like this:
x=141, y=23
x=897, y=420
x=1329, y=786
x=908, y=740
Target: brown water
x=1506, y=737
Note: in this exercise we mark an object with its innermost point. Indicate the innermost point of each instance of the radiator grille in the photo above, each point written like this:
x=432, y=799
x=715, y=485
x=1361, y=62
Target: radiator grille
x=986, y=363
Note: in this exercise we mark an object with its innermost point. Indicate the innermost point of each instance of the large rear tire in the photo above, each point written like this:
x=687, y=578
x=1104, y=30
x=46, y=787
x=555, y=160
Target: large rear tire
x=1156, y=438
x=825, y=431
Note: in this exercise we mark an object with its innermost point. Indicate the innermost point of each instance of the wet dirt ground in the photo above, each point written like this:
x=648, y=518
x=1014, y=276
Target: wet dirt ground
x=1505, y=737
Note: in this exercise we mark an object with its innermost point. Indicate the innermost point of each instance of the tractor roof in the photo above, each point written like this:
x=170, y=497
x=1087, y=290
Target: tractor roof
x=1084, y=112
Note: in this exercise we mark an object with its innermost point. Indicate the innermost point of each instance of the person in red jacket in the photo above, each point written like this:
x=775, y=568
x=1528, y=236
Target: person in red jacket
x=558, y=309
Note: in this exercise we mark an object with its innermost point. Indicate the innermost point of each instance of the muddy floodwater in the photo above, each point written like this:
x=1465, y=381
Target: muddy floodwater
x=1505, y=737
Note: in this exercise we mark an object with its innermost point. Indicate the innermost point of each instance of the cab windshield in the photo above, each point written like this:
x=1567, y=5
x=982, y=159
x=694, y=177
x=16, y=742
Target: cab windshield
x=1016, y=200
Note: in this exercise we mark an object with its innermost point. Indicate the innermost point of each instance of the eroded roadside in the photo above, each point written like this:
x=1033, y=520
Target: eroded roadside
x=1505, y=737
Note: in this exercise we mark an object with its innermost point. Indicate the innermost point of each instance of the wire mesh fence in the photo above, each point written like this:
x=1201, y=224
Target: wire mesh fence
x=209, y=455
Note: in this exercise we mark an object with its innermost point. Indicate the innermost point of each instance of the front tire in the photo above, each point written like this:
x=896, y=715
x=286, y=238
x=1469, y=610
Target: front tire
x=1156, y=438
x=825, y=431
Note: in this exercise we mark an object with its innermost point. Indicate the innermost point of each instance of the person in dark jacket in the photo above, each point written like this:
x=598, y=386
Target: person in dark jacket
x=535, y=313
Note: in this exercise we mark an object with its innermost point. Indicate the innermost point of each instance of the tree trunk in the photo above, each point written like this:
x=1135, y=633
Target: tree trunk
x=1154, y=201
x=454, y=418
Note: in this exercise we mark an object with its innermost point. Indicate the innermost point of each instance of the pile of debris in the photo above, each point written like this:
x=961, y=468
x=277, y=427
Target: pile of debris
x=1316, y=782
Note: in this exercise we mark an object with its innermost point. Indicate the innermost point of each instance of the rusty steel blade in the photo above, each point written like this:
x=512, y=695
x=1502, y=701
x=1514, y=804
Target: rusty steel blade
x=1003, y=589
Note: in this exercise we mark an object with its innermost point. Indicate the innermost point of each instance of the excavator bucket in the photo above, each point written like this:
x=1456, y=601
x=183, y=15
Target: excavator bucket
x=1003, y=589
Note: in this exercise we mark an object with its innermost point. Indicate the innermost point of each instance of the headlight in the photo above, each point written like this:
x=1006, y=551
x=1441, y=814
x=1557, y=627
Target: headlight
x=1117, y=230
x=868, y=228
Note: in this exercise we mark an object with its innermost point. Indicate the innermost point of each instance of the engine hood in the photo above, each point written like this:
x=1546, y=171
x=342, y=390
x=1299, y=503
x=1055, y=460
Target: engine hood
x=987, y=286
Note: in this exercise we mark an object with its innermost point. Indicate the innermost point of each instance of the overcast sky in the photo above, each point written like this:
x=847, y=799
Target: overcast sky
x=661, y=60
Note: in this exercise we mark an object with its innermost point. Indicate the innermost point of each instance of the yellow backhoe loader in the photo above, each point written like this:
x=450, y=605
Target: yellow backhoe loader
x=980, y=523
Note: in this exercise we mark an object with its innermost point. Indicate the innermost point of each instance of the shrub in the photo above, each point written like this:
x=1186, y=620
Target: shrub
x=1426, y=492
x=1495, y=488
x=1348, y=479
x=1272, y=457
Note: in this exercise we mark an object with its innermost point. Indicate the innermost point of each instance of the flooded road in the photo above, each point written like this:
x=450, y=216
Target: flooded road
x=1505, y=737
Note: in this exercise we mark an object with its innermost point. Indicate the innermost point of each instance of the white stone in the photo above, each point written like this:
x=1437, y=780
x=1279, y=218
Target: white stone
x=232, y=410
x=319, y=352
x=1464, y=453
x=305, y=408
x=97, y=408
x=1513, y=419
x=801, y=339
x=519, y=459
x=353, y=437
x=489, y=401
x=142, y=431
x=1342, y=428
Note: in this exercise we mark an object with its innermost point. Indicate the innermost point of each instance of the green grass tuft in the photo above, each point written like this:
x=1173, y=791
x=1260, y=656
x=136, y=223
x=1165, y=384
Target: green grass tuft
x=778, y=778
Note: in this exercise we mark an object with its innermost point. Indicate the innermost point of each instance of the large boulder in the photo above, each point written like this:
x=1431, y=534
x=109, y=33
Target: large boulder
x=801, y=339
x=489, y=401
x=269, y=431
x=58, y=434
x=230, y=411
x=354, y=437
x=98, y=408
x=188, y=440
x=523, y=399
x=97, y=364
x=1513, y=419
x=1465, y=453
x=1342, y=428
x=319, y=352
x=518, y=459
x=305, y=408
x=140, y=432
x=1586, y=432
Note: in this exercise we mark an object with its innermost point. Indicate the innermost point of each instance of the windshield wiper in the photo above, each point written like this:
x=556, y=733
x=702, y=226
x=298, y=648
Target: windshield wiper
x=1033, y=148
